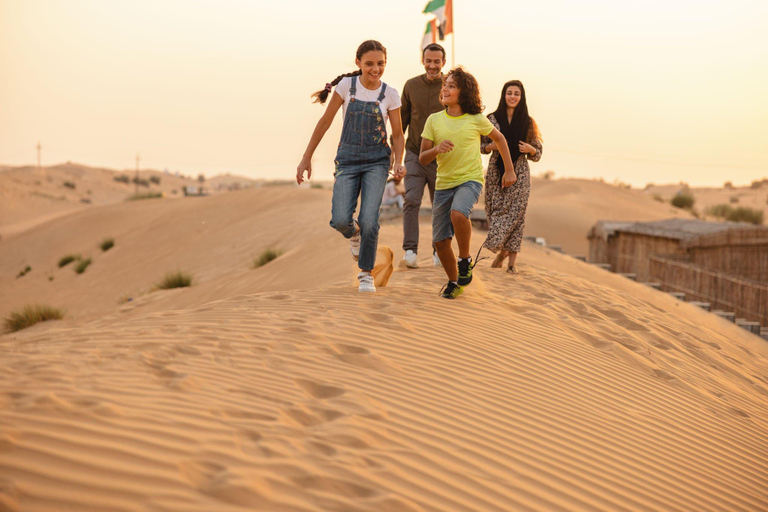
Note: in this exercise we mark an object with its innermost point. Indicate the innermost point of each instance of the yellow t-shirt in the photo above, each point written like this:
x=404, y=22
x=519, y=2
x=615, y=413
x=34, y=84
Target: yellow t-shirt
x=462, y=163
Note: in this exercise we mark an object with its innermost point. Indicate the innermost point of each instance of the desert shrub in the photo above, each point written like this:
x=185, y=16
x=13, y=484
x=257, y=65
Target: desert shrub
x=549, y=175
x=155, y=179
x=69, y=258
x=107, y=244
x=266, y=256
x=146, y=195
x=316, y=185
x=140, y=181
x=80, y=268
x=69, y=184
x=758, y=183
x=657, y=197
x=745, y=214
x=683, y=200
x=175, y=280
x=719, y=210
x=24, y=272
x=734, y=199
x=31, y=315
x=728, y=185
x=50, y=278
x=123, y=178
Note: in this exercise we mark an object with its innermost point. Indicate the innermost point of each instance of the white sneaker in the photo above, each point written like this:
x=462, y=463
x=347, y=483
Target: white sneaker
x=366, y=282
x=436, y=260
x=354, y=243
x=411, y=259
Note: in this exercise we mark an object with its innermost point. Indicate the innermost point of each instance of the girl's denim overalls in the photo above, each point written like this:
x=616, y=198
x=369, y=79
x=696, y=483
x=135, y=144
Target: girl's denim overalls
x=362, y=167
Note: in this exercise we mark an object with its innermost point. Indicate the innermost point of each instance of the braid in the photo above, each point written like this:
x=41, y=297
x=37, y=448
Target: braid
x=322, y=95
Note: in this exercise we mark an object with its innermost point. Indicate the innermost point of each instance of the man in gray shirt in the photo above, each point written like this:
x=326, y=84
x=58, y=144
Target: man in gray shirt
x=420, y=99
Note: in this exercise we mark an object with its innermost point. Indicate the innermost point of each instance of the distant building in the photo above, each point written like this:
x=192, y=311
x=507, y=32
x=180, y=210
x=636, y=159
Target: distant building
x=724, y=263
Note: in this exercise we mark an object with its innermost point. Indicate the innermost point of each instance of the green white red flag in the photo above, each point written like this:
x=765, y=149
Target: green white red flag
x=442, y=10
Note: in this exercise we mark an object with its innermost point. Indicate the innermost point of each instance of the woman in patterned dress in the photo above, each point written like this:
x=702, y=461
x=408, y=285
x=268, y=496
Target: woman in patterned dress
x=505, y=206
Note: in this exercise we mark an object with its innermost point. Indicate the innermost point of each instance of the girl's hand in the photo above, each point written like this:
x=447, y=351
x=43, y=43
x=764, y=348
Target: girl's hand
x=399, y=171
x=491, y=147
x=526, y=148
x=304, y=165
x=508, y=179
x=445, y=146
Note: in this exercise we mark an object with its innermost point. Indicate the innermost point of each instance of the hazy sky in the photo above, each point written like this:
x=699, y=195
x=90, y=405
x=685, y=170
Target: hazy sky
x=640, y=91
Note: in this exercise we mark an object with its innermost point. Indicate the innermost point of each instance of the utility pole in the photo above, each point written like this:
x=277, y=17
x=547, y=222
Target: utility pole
x=137, y=174
x=39, y=147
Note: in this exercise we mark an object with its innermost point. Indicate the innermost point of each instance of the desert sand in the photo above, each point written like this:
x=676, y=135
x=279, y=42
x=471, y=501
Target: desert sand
x=281, y=388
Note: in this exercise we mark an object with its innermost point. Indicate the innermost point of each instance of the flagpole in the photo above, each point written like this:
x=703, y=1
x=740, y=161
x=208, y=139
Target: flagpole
x=453, y=38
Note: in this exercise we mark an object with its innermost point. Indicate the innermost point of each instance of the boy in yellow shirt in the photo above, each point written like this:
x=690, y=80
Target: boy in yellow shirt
x=453, y=137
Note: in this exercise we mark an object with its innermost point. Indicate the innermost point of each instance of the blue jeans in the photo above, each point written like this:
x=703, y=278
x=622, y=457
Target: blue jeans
x=367, y=180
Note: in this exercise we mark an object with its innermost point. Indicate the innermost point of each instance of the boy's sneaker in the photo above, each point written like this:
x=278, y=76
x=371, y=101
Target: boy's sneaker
x=465, y=271
x=436, y=260
x=411, y=259
x=366, y=282
x=354, y=243
x=451, y=290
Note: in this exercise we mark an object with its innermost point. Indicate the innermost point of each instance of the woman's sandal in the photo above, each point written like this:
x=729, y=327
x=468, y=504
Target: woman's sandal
x=513, y=271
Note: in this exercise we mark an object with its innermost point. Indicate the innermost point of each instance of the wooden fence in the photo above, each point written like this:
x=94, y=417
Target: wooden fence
x=748, y=299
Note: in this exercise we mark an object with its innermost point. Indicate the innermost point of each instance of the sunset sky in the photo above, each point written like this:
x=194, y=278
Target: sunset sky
x=651, y=91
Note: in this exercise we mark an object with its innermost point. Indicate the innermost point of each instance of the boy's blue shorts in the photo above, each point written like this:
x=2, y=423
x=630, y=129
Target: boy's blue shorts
x=460, y=198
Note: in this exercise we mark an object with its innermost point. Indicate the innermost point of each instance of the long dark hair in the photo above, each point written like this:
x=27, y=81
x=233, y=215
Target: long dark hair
x=469, y=91
x=368, y=46
x=522, y=128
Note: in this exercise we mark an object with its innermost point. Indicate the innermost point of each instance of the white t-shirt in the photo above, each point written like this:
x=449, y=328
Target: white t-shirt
x=391, y=99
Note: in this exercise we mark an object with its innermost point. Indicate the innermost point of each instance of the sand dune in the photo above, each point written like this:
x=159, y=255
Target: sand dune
x=563, y=211
x=31, y=196
x=282, y=388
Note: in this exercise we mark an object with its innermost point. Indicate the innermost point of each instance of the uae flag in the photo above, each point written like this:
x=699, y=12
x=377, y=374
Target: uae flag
x=430, y=35
x=443, y=12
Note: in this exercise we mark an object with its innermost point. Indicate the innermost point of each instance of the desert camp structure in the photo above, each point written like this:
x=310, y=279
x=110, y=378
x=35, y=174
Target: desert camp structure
x=722, y=263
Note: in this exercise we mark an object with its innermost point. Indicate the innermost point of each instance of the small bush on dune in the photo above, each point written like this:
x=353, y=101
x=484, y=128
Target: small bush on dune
x=683, y=200
x=745, y=214
x=265, y=257
x=155, y=179
x=719, y=210
x=123, y=178
x=69, y=258
x=80, y=268
x=740, y=214
x=734, y=199
x=107, y=244
x=24, y=272
x=658, y=198
x=69, y=184
x=30, y=316
x=175, y=280
x=147, y=195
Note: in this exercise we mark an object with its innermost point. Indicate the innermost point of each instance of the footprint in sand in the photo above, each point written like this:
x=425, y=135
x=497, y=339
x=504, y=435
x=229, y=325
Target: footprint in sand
x=317, y=390
x=663, y=374
x=311, y=418
x=334, y=486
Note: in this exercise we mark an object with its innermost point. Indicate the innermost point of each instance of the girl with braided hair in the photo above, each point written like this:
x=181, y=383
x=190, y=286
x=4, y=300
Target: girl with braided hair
x=363, y=157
